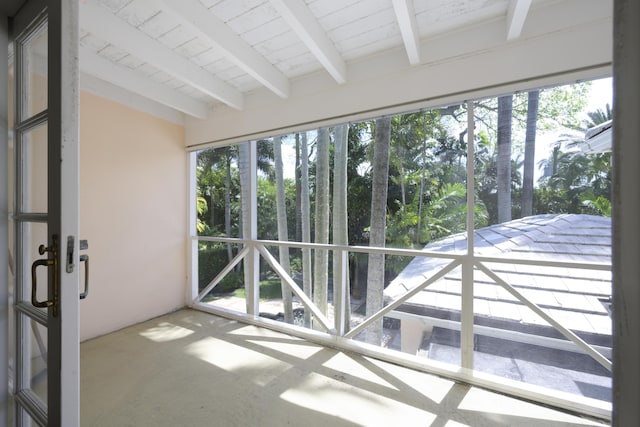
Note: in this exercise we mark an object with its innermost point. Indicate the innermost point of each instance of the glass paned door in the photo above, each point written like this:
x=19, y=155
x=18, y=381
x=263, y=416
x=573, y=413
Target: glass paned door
x=44, y=219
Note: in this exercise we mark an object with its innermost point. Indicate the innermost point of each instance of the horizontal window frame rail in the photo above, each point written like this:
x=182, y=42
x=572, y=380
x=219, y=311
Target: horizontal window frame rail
x=599, y=266
x=331, y=247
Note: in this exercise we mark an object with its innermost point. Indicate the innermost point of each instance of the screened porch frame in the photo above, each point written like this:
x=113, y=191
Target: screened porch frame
x=342, y=338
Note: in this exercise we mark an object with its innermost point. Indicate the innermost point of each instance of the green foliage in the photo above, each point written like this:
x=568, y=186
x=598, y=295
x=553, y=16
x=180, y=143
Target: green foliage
x=427, y=181
x=212, y=258
x=201, y=208
x=600, y=206
x=269, y=289
x=599, y=116
x=559, y=106
x=575, y=182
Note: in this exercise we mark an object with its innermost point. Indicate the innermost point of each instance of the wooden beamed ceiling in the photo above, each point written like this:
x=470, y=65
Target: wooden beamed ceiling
x=190, y=55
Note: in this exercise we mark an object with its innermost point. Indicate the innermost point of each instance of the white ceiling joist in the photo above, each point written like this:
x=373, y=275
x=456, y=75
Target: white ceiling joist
x=191, y=13
x=517, y=14
x=104, y=69
x=305, y=25
x=102, y=23
x=406, y=17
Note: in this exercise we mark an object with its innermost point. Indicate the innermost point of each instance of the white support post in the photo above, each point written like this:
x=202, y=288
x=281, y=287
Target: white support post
x=252, y=261
x=626, y=205
x=191, y=288
x=340, y=293
x=466, y=318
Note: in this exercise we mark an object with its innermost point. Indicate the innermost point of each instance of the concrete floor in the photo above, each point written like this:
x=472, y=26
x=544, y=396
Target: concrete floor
x=190, y=368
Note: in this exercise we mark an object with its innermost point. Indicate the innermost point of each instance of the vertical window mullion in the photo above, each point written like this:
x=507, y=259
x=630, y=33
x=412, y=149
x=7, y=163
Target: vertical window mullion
x=466, y=319
x=253, y=259
x=191, y=293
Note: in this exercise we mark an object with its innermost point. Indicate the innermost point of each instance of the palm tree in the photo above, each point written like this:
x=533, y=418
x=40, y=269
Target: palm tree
x=599, y=116
x=375, y=269
x=340, y=229
x=505, y=108
x=529, y=152
x=321, y=265
x=283, y=234
x=305, y=223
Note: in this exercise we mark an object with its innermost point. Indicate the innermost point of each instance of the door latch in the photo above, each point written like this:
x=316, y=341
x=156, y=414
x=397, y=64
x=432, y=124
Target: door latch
x=84, y=245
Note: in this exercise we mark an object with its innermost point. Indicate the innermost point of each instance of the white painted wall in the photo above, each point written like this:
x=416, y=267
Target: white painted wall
x=471, y=63
x=133, y=213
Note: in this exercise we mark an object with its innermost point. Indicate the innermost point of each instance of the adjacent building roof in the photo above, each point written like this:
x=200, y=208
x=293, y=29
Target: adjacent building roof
x=598, y=139
x=577, y=298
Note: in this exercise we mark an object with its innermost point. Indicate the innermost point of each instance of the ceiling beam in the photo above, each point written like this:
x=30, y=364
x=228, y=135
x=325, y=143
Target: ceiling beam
x=193, y=14
x=517, y=14
x=406, y=16
x=304, y=24
x=104, y=69
x=99, y=21
x=106, y=90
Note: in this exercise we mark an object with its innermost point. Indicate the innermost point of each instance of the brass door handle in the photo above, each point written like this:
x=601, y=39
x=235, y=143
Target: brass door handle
x=34, y=285
x=53, y=262
x=85, y=259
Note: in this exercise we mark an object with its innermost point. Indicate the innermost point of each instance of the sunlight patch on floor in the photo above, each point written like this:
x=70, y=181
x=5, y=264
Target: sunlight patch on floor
x=336, y=398
x=262, y=369
x=165, y=332
x=301, y=349
x=451, y=423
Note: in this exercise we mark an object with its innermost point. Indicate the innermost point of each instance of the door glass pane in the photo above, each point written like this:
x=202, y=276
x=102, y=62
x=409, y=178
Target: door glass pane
x=34, y=170
x=34, y=74
x=10, y=121
x=34, y=234
x=33, y=354
x=38, y=360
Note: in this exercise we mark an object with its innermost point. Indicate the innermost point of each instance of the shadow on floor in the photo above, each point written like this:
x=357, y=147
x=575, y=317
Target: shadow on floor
x=190, y=368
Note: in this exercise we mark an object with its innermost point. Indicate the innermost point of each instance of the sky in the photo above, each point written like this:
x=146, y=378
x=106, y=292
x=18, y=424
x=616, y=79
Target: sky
x=601, y=93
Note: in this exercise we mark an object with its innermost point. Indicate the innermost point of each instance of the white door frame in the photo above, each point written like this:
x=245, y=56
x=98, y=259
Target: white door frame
x=4, y=210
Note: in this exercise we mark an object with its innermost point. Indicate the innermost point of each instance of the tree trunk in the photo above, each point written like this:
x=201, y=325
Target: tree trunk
x=400, y=153
x=505, y=108
x=529, y=153
x=283, y=232
x=321, y=266
x=375, y=268
x=423, y=171
x=298, y=191
x=212, y=216
x=305, y=223
x=340, y=227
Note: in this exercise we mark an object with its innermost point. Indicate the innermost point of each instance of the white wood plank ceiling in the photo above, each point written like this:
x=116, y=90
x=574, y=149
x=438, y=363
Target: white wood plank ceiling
x=191, y=54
